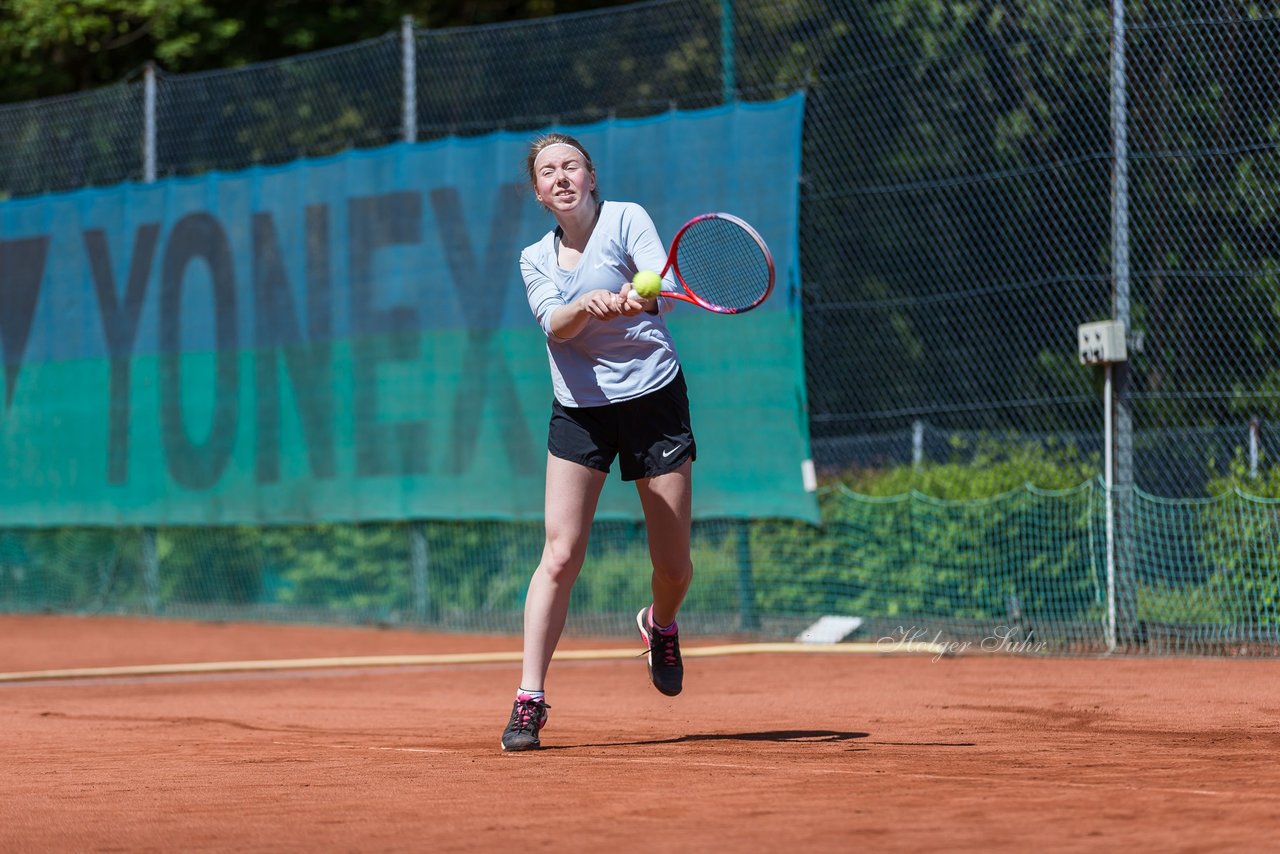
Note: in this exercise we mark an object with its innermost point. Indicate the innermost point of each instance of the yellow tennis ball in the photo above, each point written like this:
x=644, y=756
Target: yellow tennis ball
x=647, y=284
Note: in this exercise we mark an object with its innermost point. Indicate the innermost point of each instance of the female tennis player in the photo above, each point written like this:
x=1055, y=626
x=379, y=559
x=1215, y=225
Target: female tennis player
x=619, y=393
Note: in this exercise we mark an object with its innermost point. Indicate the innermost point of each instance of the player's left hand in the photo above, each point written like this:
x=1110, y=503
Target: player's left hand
x=629, y=302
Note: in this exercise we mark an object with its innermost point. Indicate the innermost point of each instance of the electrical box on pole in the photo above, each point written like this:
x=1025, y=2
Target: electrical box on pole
x=1101, y=343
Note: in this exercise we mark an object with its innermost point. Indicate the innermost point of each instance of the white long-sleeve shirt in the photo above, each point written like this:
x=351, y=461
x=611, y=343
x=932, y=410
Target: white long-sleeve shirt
x=609, y=360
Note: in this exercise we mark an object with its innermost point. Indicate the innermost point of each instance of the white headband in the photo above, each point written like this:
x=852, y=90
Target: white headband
x=581, y=153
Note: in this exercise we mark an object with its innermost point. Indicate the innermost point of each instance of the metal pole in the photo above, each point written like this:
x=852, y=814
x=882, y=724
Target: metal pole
x=409, y=62
x=1255, y=444
x=1123, y=479
x=149, y=123
x=746, y=585
x=1120, y=175
x=150, y=556
x=728, y=74
x=420, y=566
x=917, y=443
x=150, y=571
x=1109, y=483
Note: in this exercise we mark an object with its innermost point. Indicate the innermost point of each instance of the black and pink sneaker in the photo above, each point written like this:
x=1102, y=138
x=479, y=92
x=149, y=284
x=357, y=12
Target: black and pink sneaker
x=666, y=670
x=528, y=717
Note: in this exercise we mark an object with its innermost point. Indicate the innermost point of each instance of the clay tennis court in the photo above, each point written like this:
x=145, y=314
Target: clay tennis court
x=768, y=751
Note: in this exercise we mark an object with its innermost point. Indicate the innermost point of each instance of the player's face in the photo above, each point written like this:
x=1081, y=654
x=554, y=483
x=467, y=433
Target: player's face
x=562, y=179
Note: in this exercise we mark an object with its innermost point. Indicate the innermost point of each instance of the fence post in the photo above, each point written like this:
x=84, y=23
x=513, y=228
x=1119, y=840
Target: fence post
x=149, y=123
x=150, y=558
x=917, y=444
x=1255, y=445
x=747, y=616
x=150, y=571
x=409, y=67
x=728, y=74
x=1128, y=630
x=420, y=569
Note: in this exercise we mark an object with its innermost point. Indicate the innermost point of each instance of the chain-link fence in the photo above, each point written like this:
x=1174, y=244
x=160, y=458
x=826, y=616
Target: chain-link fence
x=978, y=179
x=957, y=190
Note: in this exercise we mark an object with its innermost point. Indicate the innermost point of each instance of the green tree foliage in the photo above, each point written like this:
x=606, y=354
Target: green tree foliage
x=54, y=47
x=49, y=47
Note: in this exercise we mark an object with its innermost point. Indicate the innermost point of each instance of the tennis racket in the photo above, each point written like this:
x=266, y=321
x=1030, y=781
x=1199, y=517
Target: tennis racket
x=722, y=263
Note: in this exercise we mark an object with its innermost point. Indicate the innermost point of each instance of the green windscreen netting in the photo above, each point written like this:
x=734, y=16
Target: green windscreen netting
x=1025, y=571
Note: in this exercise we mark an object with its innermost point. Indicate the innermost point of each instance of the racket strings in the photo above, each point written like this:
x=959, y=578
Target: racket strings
x=722, y=263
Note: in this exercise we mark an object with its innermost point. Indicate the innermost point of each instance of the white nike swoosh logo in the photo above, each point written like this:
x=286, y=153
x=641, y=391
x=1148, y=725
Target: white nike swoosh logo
x=599, y=265
x=672, y=451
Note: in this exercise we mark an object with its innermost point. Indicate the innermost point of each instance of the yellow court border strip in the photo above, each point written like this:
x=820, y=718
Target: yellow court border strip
x=454, y=658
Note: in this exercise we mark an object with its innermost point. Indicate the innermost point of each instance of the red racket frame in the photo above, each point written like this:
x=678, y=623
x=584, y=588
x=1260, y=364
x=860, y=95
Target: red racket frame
x=691, y=294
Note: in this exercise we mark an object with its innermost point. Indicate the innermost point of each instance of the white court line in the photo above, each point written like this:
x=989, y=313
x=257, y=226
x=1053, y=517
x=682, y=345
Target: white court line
x=453, y=658
x=667, y=762
x=360, y=747
x=244, y=675
x=1077, y=785
x=594, y=759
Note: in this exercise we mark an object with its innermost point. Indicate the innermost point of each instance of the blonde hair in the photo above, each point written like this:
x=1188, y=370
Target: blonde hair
x=546, y=141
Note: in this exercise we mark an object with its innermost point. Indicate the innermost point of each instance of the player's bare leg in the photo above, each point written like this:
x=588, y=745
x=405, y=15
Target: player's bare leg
x=573, y=491
x=667, y=501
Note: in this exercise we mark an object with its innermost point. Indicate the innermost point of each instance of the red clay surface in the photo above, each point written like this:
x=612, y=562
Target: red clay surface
x=761, y=752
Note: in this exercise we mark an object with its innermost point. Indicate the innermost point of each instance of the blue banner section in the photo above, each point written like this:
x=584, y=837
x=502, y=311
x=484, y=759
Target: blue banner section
x=348, y=339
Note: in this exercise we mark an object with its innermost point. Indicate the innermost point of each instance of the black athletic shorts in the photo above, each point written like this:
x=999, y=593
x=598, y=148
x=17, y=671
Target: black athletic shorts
x=650, y=434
